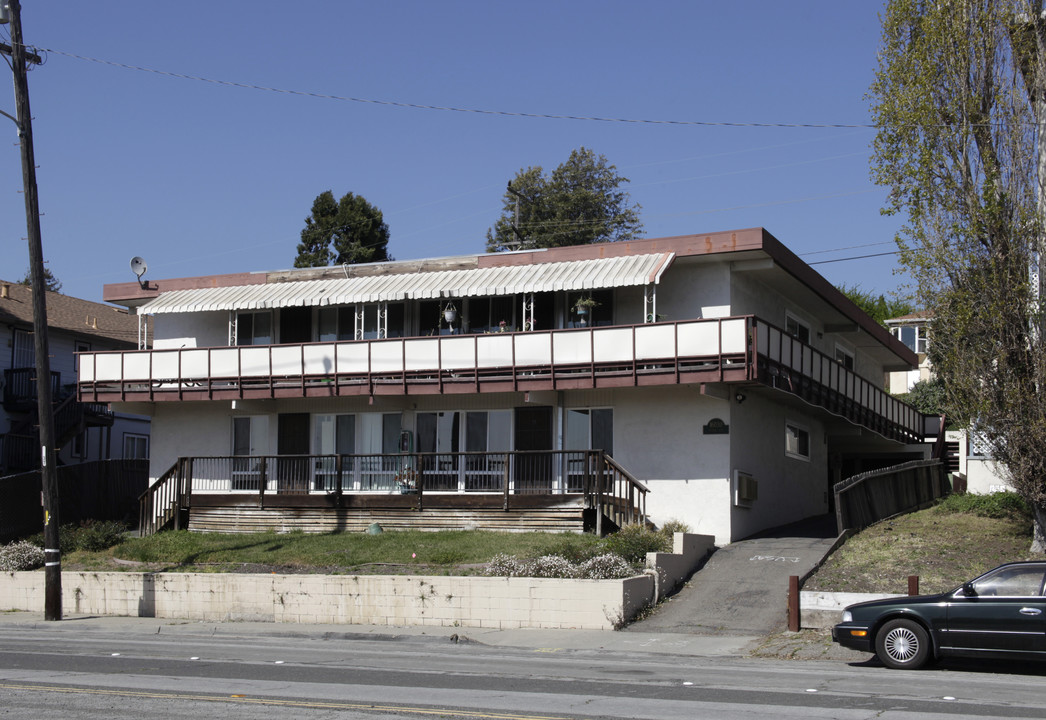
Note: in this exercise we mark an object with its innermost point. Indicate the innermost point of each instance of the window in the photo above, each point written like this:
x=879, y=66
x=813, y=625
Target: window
x=844, y=357
x=249, y=439
x=333, y=435
x=914, y=336
x=254, y=328
x=24, y=352
x=135, y=447
x=336, y=323
x=797, y=328
x=1018, y=581
x=797, y=441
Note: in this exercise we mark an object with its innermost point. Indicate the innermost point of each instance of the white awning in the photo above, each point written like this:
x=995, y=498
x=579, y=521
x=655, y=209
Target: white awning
x=623, y=271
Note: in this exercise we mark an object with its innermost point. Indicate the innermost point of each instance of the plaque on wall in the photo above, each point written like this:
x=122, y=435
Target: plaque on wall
x=716, y=426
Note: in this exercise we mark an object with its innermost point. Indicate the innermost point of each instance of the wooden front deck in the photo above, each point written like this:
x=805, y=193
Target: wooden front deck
x=556, y=491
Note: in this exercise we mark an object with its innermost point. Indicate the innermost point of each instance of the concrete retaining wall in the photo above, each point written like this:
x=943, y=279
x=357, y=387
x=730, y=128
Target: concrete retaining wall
x=492, y=602
x=825, y=609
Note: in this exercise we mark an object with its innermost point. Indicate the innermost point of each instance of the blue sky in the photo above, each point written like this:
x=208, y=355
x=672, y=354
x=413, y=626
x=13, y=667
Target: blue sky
x=200, y=178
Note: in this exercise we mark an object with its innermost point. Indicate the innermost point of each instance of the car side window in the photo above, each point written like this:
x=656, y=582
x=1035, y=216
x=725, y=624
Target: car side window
x=1017, y=581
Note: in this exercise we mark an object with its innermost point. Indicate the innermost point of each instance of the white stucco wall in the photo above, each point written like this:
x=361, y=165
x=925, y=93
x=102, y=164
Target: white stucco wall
x=790, y=489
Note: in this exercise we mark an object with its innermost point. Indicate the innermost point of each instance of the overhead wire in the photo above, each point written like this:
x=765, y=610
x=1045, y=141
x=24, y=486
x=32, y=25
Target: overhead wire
x=450, y=108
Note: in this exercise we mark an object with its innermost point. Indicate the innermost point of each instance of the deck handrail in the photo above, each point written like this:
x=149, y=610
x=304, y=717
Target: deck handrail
x=162, y=502
x=605, y=485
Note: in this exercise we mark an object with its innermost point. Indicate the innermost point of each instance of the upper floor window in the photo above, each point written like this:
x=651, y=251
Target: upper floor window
x=797, y=328
x=254, y=328
x=844, y=357
x=914, y=336
x=135, y=446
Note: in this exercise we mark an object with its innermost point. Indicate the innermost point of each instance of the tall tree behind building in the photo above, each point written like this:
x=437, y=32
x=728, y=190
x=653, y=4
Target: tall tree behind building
x=348, y=231
x=955, y=100
x=581, y=202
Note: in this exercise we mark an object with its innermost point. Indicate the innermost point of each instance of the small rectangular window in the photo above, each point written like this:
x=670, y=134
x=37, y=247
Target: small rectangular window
x=844, y=357
x=797, y=441
x=135, y=447
x=797, y=328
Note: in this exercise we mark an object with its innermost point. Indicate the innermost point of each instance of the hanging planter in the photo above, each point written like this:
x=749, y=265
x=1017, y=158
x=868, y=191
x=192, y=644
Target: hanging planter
x=583, y=304
x=450, y=313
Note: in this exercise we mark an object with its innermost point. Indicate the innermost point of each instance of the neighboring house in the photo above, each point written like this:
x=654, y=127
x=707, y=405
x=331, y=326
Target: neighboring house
x=84, y=432
x=718, y=372
x=968, y=455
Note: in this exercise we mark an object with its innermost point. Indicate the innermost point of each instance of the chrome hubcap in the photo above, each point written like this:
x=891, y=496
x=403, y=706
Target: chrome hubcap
x=902, y=644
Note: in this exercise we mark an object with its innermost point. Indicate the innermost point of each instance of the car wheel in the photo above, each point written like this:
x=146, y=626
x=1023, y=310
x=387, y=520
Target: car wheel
x=903, y=645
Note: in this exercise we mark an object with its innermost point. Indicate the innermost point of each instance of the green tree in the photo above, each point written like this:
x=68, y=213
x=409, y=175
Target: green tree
x=50, y=281
x=348, y=231
x=877, y=307
x=955, y=100
x=580, y=203
x=926, y=396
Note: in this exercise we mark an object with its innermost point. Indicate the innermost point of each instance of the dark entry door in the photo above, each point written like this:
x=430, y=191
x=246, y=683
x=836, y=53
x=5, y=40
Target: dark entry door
x=533, y=472
x=292, y=438
x=296, y=325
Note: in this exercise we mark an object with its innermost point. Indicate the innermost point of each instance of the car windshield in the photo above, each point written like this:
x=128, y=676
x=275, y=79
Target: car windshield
x=1013, y=581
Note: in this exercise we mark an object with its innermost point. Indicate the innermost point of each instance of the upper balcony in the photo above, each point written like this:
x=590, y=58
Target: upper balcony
x=730, y=350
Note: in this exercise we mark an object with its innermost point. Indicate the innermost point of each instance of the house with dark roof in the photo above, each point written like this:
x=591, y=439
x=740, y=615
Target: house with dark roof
x=716, y=379
x=84, y=431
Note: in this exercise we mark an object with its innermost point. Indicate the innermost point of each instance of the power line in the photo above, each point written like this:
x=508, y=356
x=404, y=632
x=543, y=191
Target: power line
x=447, y=108
x=856, y=257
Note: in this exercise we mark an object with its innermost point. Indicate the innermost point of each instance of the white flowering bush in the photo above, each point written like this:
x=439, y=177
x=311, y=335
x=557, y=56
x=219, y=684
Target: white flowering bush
x=606, y=567
x=21, y=555
x=602, y=567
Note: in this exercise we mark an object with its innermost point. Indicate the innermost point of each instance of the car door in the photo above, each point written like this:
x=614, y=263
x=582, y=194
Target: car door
x=1001, y=611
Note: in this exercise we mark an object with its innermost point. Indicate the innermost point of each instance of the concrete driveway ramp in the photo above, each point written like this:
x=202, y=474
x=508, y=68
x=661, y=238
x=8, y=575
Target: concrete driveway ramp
x=743, y=588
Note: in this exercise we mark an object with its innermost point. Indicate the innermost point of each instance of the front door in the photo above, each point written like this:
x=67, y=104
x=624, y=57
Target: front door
x=533, y=472
x=292, y=438
x=295, y=325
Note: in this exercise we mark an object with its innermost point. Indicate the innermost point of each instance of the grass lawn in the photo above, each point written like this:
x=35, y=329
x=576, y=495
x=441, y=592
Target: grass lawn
x=944, y=545
x=452, y=552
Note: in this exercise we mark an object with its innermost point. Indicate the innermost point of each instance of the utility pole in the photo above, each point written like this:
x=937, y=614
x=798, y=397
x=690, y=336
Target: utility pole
x=48, y=475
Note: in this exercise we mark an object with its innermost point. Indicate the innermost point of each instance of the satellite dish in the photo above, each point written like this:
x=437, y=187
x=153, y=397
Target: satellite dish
x=138, y=267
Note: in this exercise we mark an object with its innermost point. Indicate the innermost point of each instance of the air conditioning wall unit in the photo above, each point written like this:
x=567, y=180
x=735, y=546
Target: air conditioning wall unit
x=746, y=489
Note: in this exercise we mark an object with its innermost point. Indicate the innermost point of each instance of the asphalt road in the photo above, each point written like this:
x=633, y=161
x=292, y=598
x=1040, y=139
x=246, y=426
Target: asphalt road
x=74, y=671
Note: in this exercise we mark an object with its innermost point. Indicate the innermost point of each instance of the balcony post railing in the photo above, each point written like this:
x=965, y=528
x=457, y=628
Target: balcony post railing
x=262, y=480
x=506, y=474
x=420, y=480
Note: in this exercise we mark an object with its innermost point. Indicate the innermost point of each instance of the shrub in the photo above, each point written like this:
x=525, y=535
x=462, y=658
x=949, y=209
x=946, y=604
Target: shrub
x=633, y=542
x=606, y=567
x=21, y=555
x=995, y=505
x=90, y=535
x=602, y=567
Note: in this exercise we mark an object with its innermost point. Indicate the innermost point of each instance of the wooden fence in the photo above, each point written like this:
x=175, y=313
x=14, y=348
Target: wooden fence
x=100, y=490
x=869, y=497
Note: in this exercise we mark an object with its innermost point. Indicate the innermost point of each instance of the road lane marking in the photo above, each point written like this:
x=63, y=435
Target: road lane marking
x=243, y=699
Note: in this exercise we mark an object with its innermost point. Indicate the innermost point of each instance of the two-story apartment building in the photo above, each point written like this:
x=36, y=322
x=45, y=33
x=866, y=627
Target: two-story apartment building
x=84, y=432
x=727, y=381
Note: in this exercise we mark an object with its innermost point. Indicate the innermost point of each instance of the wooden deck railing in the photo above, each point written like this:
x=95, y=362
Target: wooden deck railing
x=606, y=487
x=734, y=349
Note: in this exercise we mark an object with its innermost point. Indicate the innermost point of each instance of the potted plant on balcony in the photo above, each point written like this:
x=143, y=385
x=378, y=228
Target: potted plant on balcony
x=450, y=313
x=407, y=480
x=583, y=304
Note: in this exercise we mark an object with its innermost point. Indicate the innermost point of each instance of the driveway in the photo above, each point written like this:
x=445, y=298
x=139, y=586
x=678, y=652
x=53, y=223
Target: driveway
x=743, y=588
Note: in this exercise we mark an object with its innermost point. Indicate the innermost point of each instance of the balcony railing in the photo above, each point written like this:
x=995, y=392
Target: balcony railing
x=20, y=388
x=293, y=480
x=581, y=357
x=736, y=349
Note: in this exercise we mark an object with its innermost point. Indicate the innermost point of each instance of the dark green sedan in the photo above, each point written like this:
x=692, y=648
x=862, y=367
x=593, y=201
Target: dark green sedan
x=1000, y=614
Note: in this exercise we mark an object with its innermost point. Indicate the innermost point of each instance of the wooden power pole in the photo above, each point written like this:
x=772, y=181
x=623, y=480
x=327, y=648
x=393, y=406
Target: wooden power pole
x=48, y=474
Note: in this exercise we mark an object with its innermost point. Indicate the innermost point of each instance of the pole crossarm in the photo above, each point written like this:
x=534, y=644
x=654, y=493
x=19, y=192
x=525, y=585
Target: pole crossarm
x=29, y=56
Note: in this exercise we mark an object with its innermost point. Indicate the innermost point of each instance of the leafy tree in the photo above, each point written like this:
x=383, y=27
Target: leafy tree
x=877, y=308
x=580, y=203
x=50, y=281
x=926, y=396
x=348, y=231
x=955, y=100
